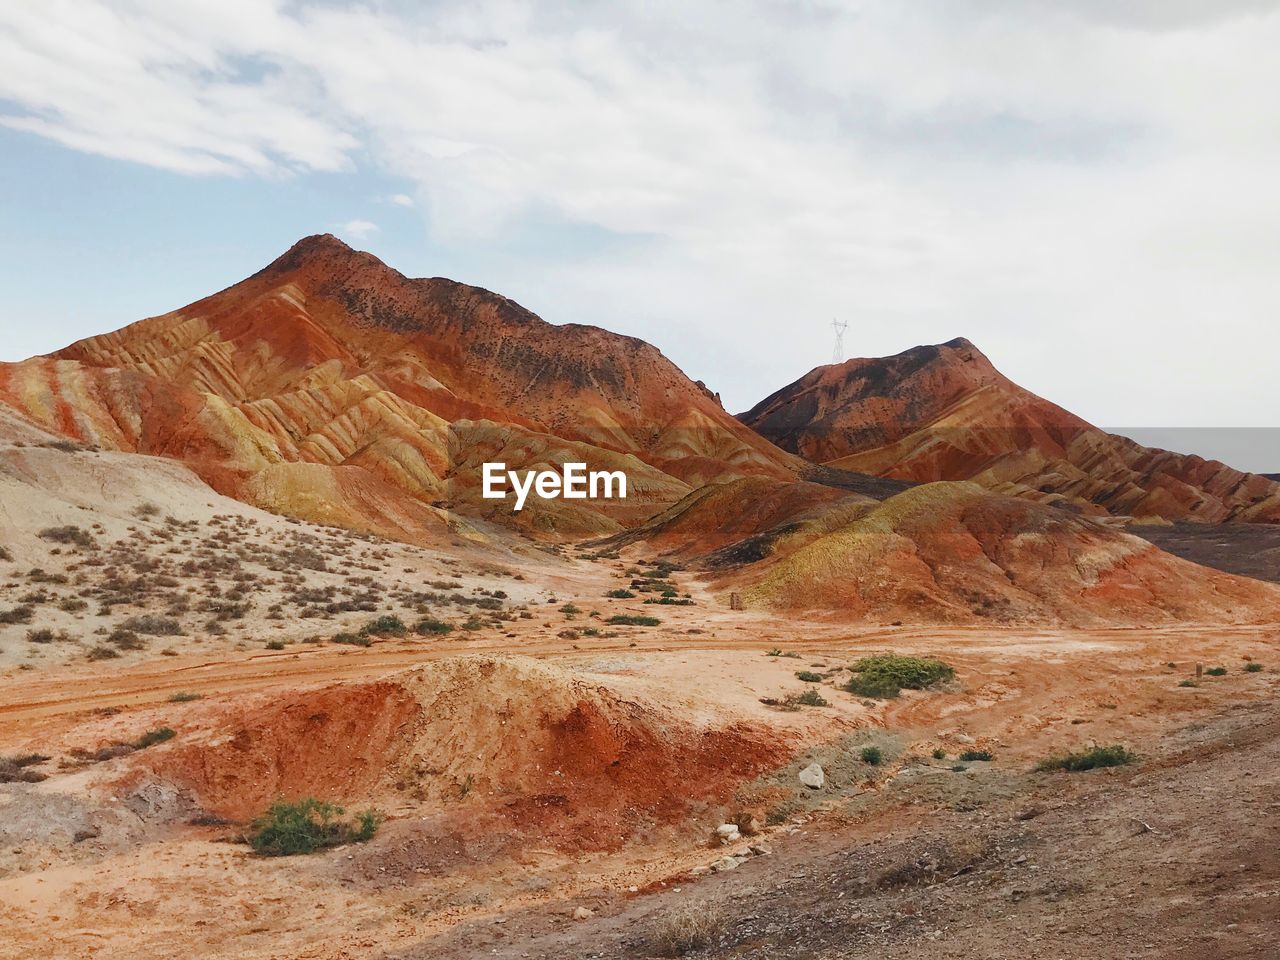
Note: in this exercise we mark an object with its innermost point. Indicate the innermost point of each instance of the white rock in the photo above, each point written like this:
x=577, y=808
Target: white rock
x=727, y=830
x=725, y=863
x=582, y=913
x=813, y=777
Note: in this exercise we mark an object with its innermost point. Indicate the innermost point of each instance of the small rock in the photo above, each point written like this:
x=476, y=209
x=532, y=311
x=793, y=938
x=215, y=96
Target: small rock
x=748, y=824
x=727, y=832
x=725, y=863
x=813, y=777
x=582, y=913
x=758, y=850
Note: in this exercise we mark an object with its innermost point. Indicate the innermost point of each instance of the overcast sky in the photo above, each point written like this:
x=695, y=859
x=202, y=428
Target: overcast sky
x=1087, y=189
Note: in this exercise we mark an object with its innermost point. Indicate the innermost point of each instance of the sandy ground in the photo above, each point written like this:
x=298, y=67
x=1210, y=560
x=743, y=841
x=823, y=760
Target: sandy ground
x=1170, y=857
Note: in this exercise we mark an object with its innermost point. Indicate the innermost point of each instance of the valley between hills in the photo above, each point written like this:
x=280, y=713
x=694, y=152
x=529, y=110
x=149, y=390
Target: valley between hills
x=903, y=662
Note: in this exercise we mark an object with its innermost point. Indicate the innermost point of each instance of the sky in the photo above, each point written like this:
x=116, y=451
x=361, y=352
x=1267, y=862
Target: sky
x=1087, y=189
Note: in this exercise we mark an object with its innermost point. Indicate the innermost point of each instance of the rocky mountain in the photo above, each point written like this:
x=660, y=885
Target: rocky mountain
x=331, y=387
x=945, y=413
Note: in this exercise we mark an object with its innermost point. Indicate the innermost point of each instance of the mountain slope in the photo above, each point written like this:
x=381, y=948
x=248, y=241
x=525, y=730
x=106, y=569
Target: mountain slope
x=945, y=413
x=329, y=386
x=953, y=552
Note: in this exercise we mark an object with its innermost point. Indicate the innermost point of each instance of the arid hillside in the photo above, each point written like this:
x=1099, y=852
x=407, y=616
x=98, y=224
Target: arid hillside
x=945, y=413
x=332, y=388
x=939, y=552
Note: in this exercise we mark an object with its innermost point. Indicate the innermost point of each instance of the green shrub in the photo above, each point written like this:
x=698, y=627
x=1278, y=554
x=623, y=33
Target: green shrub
x=152, y=737
x=570, y=611
x=1253, y=667
x=433, y=626
x=1188, y=683
x=620, y=594
x=1216, y=672
x=632, y=620
x=808, y=676
x=385, y=626
x=886, y=675
x=971, y=755
x=872, y=755
x=275, y=644
x=1113, y=756
x=939, y=754
x=473, y=623
x=307, y=826
x=352, y=639
x=810, y=698
x=670, y=601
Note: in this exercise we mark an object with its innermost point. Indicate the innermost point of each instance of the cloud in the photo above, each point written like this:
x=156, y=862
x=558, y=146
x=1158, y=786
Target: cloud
x=358, y=229
x=1088, y=194
x=400, y=200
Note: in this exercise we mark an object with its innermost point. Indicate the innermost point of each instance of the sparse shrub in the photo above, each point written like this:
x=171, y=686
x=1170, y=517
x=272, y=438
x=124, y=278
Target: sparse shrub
x=23, y=613
x=621, y=594
x=808, y=676
x=185, y=696
x=152, y=737
x=632, y=620
x=871, y=755
x=353, y=639
x=153, y=626
x=103, y=653
x=385, y=626
x=570, y=611
x=1188, y=683
x=689, y=927
x=431, y=626
x=1216, y=672
x=126, y=639
x=275, y=644
x=146, y=510
x=1253, y=667
x=43, y=635
x=473, y=623
x=810, y=698
x=969, y=756
x=939, y=754
x=1112, y=756
x=68, y=535
x=14, y=769
x=73, y=605
x=307, y=826
x=5, y=554
x=886, y=675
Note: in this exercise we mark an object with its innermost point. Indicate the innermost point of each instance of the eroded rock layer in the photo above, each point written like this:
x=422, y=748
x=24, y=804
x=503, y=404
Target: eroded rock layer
x=945, y=413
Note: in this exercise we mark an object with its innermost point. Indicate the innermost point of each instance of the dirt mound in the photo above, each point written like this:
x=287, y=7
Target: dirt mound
x=955, y=552
x=945, y=413
x=508, y=737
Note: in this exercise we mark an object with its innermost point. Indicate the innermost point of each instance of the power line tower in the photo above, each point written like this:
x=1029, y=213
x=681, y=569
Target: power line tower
x=837, y=355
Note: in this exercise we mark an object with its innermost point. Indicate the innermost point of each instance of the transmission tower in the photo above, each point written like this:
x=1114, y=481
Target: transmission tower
x=837, y=355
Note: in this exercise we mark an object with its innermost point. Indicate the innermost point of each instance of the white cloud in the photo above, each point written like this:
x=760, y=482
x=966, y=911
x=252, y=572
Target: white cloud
x=1088, y=195
x=400, y=200
x=358, y=229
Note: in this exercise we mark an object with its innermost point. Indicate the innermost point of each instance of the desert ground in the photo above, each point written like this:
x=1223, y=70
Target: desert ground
x=495, y=844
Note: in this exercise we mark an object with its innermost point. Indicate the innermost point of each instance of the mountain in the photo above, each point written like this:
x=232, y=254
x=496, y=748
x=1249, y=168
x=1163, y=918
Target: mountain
x=331, y=387
x=945, y=413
